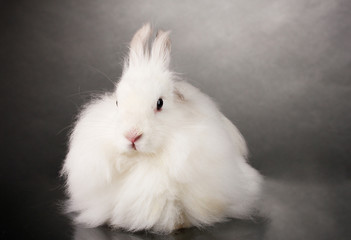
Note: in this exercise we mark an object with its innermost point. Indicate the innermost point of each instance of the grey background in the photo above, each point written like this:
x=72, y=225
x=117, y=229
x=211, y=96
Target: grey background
x=280, y=70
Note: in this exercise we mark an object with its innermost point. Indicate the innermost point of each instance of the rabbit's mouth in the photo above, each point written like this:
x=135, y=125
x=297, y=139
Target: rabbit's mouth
x=133, y=146
x=139, y=149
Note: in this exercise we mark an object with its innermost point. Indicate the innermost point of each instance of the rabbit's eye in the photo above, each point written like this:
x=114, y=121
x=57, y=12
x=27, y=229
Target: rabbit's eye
x=116, y=103
x=159, y=104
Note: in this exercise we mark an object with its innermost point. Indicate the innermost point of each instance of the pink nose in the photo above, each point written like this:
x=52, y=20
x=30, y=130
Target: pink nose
x=133, y=136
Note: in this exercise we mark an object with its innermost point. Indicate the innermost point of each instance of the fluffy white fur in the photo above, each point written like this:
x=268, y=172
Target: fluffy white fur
x=189, y=167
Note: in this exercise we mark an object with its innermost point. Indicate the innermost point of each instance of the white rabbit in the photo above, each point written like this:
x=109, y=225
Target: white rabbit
x=157, y=154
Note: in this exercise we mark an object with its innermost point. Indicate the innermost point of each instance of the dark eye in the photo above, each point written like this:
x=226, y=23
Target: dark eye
x=116, y=103
x=159, y=104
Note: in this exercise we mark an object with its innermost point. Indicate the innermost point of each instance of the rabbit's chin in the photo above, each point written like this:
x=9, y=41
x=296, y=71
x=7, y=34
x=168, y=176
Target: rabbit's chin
x=141, y=149
x=130, y=152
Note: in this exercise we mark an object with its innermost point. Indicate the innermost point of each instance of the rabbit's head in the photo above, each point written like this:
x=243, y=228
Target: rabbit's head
x=145, y=95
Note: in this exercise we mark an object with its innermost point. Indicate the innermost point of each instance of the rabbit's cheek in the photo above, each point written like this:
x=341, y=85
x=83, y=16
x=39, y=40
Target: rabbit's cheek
x=151, y=145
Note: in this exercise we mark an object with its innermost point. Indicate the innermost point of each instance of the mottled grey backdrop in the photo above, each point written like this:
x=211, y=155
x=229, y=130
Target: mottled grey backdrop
x=280, y=70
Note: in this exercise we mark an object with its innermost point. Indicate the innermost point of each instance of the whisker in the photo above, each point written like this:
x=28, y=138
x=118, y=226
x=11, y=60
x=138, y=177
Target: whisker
x=85, y=92
x=63, y=129
x=102, y=73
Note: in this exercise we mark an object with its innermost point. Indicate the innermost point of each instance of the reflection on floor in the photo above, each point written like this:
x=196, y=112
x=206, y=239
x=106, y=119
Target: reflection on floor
x=290, y=210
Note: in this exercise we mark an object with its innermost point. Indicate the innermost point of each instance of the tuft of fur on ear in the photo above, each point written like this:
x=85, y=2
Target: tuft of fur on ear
x=161, y=48
x=139, y=53
x=139, y=49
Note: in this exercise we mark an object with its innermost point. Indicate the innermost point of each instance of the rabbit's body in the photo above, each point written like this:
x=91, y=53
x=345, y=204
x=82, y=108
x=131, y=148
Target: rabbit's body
x=188, y=170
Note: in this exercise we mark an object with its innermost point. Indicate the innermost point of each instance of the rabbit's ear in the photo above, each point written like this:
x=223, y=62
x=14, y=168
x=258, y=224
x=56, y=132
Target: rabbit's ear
x=139, y=49
x=161, y=48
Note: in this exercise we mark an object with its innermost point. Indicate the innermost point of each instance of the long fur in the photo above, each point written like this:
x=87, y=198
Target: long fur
x=189, y=167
